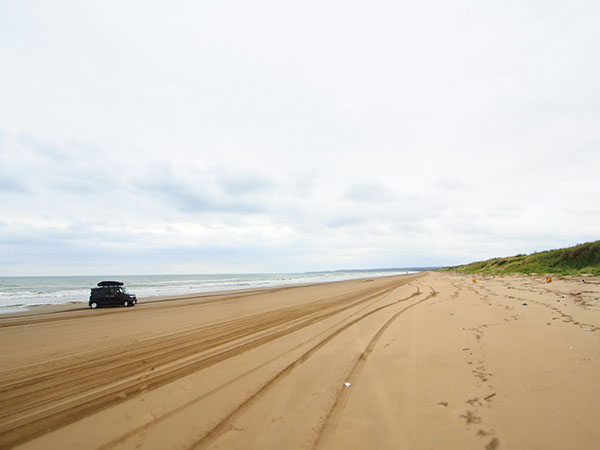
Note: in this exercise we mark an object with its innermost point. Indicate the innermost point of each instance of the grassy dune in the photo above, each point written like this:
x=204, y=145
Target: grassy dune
x=580, y=259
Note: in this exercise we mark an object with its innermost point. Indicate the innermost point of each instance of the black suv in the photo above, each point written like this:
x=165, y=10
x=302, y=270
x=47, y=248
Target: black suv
x=111, y=293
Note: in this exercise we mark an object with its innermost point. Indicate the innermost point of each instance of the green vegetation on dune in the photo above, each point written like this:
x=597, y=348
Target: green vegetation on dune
x=580, y=259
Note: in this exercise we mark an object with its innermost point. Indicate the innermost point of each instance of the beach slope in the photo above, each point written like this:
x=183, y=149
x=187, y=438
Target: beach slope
x=434, y=360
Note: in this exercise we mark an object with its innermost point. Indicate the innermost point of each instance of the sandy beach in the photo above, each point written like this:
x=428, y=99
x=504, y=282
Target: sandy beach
x=424, y=361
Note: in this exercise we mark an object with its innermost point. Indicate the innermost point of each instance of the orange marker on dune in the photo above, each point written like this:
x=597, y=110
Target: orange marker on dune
x=474, y=280
x=548, y=280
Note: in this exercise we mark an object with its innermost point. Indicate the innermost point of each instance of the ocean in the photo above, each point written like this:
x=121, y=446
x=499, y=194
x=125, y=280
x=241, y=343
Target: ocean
x=19, y=293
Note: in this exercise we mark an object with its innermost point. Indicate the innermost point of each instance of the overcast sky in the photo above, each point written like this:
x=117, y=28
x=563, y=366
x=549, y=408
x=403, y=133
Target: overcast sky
x=146, y=137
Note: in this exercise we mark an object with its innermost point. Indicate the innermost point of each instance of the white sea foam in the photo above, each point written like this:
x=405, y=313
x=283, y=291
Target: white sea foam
x=12, y=310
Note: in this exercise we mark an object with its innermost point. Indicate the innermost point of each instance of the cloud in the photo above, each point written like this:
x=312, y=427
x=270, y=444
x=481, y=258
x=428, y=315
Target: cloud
x=9, y=184
x=243, y=183
x=198, y=190
x=187, y=198
x=369, y=192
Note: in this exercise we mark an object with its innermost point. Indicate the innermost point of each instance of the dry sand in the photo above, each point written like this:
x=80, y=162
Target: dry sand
x=412, y=362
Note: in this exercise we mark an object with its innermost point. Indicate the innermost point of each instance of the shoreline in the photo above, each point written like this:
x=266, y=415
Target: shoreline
x=72, y=306
x=65, y=290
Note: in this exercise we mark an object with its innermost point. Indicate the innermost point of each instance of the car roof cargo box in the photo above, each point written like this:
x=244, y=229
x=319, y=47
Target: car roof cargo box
x=110, y=283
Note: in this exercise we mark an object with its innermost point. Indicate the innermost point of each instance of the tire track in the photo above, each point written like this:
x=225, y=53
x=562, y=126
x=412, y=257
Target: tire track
x=85, y=312
x=331, y=420
x=84, y=357
x=146, y=355
x=226, y=423
x=239, y=377
x=28, y=417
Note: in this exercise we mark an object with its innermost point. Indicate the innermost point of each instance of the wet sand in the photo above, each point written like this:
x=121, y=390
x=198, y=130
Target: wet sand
x=426, y=361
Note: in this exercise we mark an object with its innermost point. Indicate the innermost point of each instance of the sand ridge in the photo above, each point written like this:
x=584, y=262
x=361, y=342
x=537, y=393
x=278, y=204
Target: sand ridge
x=420, y=361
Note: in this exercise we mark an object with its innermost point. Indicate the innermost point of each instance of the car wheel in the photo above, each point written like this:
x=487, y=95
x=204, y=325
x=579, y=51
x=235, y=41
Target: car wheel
x=93, y=305
x=125, y=303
